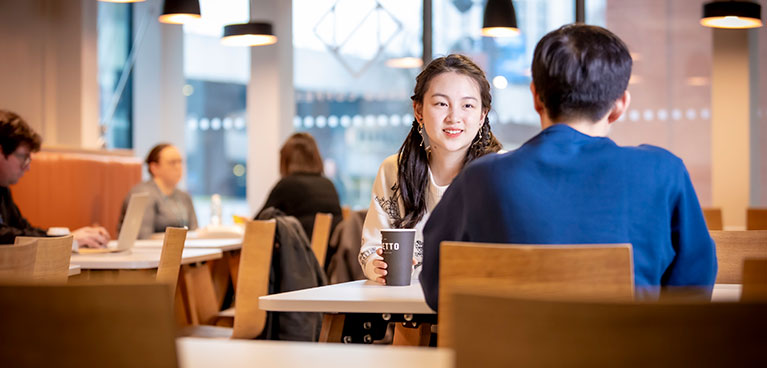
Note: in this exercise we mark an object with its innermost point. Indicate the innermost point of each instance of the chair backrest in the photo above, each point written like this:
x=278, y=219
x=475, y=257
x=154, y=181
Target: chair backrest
x=586, y=270
x=52, y=257
x=732, y=249
x=754, y=280
x=253, y=278
x=320, y=236
x=756, y=219
x=506, y=331
x=86, y=325
x=17, y=261
x=346, y=211
x=170, y=258
x=713, y=218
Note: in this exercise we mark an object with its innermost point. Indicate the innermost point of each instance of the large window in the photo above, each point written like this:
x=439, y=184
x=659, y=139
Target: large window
x=115, y=41
x=216, y=137
x=353, y=77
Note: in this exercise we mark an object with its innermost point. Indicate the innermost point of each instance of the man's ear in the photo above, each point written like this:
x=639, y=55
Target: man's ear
x=620, y=106
x=537, y=103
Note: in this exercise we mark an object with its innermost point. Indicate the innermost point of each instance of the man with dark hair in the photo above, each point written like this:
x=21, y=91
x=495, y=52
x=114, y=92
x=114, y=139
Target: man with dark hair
x=18, y=141
x=571, y=184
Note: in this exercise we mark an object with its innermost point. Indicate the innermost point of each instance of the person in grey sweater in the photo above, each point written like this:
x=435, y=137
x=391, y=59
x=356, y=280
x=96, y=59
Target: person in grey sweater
x=168, y=206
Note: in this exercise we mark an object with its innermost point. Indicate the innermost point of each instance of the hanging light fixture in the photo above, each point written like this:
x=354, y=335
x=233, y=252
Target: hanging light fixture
x=732, y=14
x=180, y=11
x=500, y=19
x=249, y=34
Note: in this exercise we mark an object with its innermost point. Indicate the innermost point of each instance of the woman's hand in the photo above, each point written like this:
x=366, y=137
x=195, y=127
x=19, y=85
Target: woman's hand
x=381, y=266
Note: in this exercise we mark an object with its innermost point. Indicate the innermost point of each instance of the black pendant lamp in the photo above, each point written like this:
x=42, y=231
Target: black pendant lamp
x=732, y=14
x=249, y=34
x=180, y=11
x=500, y=19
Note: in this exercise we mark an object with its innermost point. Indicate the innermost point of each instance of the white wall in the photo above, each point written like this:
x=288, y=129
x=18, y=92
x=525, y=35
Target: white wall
x=48, y=69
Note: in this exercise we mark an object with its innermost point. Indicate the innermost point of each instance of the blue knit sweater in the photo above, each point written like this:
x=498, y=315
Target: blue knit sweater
x=565, y=187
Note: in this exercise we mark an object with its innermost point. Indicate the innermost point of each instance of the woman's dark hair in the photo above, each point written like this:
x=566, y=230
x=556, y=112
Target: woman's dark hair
x=412, y=159
x=154, y=155
x=300, y=154
x=14, y=131
x=579, y=71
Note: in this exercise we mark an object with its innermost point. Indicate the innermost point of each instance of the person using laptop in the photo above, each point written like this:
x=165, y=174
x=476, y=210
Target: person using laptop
x=168, y=205
x=570, y=184
x=18, y=141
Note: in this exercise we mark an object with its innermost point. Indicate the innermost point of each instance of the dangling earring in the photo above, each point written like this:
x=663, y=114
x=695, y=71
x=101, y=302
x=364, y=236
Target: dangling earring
x=424, y=139
x=420, y=131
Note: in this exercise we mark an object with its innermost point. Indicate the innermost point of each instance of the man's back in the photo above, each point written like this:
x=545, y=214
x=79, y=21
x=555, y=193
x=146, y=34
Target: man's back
x=565, y=187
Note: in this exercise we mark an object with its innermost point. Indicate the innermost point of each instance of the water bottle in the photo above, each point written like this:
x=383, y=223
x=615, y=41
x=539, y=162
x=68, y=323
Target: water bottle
x=215, y=210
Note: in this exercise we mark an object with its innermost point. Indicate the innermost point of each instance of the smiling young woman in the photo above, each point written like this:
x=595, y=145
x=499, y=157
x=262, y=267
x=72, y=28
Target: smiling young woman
x=451, y=101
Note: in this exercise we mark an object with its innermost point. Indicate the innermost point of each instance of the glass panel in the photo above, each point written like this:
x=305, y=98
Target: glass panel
x=115, y=99
x=671, y=81
x=506, y=61
x=348, y=97
x=216, y=136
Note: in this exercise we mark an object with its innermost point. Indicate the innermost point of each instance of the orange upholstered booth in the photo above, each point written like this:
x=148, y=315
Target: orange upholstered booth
x=76, y=188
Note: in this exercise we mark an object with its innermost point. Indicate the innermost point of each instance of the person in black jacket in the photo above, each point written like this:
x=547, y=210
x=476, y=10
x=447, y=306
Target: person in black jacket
x=303, y=191
x=18, y=141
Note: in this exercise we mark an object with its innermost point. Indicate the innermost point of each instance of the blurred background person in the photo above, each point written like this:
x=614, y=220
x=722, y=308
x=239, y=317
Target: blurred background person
x=18, y=141
x=168, y=206
x=303, y=191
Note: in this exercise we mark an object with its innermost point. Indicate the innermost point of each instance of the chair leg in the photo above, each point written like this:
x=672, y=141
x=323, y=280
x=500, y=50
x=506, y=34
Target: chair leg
x=332, y=327
x=412, y=336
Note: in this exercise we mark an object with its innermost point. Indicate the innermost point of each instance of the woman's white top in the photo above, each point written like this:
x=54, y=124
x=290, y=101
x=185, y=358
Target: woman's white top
x=385, y=208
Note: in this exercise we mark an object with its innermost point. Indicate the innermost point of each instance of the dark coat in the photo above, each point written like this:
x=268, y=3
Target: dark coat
x=345, y=244
x=294, y=267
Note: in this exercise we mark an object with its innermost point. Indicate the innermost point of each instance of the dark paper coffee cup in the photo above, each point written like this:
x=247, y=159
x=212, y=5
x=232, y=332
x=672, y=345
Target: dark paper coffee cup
x=397, y=245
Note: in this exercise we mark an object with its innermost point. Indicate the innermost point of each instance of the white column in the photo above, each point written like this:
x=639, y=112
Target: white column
x=159, y=106
x=270, y=101
x=731, y=151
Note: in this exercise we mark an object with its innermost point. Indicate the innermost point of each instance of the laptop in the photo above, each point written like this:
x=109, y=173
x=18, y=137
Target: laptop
x=129, y=229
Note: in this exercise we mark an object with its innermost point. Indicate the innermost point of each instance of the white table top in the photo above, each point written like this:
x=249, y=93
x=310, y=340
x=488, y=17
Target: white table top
x=74, y=270
x=350, y=297
x=369, y=297
x=138, y=258
x=200, y=352
x=726, y=293
x=224, y=244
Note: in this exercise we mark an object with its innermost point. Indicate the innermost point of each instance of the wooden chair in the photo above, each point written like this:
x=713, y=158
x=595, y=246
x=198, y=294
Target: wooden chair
x=17, y=261
x=754, y=280
x=52, y=257
x=713, y=218
x=86, y=325
x=346, y=211
x=170, y=257
x=320, y=236
x=732, y=249
x=585, y=271
x=496, y=329
x=756, y=219
x=252, y=282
